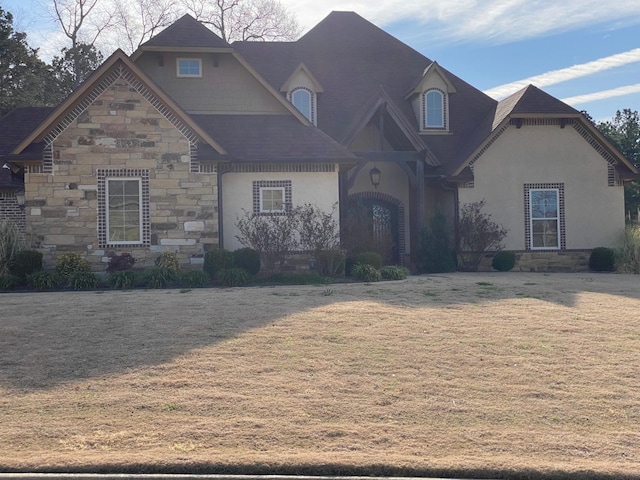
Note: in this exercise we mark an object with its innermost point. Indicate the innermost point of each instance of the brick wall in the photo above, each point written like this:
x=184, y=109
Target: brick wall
x=9, y=209
x=121, y=131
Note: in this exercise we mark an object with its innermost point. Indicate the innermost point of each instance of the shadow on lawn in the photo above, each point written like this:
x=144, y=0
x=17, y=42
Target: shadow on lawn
x=47, y=339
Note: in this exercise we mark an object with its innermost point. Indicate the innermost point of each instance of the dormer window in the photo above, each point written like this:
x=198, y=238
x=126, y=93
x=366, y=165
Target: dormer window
x=430, y=100
x=189, y=67
x=434, y=107
x=304, y=100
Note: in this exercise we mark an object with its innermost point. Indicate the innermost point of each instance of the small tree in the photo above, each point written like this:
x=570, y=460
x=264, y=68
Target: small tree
x=273, y=236
x=435, y=252
x=320, y=234
x=477, y=234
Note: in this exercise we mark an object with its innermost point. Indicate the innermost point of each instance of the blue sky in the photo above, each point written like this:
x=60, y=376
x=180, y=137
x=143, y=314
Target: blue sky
x=585, y=52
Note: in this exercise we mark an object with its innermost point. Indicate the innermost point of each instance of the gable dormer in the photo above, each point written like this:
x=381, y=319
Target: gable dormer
x=301, y=89
x=430, y=100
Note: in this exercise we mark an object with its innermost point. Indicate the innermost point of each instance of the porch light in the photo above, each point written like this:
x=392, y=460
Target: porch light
x=374, y=173
x=20, y=198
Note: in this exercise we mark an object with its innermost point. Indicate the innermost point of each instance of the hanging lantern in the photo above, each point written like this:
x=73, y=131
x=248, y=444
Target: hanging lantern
x=374, y=173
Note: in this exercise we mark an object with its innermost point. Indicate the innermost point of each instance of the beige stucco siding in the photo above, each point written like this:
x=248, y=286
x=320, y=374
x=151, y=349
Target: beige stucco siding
x=316, y=188
x=225, y=88
x=594, y=211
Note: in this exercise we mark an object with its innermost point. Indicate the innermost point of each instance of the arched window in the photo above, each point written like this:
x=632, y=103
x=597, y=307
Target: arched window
x=302, y=99
x=434, y=109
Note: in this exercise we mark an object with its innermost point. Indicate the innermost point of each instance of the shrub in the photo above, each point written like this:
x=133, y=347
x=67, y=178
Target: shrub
x=195, y=279
x=628, y=256
x=71, y=263
x=435, y=251
x=319, y=230
x=11, y=243
x=118, y=263
x=273, y=236
x=44, y=280
x=233, y=277
x=8, y=282
x=83, y=280
x=217, y=260
x=161, y=277
x=25, y=263
x=168, y=260
x=122, y=279
x=504, y=261
x=248, y=259
x=366, y=273
x=602, y=259
x=330, y=262
x=477, y=234
x=370, y=258
x=393, y=272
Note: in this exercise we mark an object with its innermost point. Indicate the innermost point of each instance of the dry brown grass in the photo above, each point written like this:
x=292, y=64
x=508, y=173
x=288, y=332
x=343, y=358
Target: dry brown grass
x=443, y=373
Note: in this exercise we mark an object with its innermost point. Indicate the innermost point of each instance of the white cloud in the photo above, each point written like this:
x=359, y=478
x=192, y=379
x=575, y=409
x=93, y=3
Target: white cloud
x=603, y=95
x=564, y=74
x=490, y=21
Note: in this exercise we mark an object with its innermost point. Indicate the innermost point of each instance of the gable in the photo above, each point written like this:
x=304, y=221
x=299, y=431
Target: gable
x=224, y=86
x=116, y=68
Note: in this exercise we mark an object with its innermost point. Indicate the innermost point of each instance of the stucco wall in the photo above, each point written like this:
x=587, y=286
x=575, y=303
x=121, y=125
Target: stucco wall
x=120, y=130
x=548, y=154
x=316, y=188
x=225, y=88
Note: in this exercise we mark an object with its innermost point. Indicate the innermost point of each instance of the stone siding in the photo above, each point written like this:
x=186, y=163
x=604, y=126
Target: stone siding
x=120, y=130
x=548, y=261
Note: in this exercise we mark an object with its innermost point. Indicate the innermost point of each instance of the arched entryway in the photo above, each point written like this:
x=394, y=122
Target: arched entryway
x=375, y=222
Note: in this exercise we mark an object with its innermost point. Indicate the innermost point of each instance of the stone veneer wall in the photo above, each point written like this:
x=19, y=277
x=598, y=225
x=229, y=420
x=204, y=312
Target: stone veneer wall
x=545, y=261
x=119, y=130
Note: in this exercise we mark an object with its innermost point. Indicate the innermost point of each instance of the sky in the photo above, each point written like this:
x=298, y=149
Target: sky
x=584, y=52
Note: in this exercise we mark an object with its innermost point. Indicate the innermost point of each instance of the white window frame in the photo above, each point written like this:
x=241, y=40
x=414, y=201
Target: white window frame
x=189, y=75
x=442, y=125
x=312, y=102
x=533, y=219
x=284, y=199
x=110, y=241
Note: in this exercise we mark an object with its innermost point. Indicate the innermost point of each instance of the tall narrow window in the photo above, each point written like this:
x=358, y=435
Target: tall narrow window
x=123, y=207
x=434, y=109
x=545, y=218
x=302, y=99
x=124, y=210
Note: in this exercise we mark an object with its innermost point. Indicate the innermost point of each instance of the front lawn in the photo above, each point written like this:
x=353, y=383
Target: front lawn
x=478, y=375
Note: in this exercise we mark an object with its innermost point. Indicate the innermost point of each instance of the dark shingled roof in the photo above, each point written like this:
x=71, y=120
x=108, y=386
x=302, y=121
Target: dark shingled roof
x=352, y=58
x=9, y=181
x=186, y=32
x=531, y=101
x=273, y=138
x=17, y=124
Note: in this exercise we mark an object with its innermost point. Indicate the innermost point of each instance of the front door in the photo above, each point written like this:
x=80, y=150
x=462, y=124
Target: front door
x=371, y=225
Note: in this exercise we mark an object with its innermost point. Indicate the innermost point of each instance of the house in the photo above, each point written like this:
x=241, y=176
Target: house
x=168, y=147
